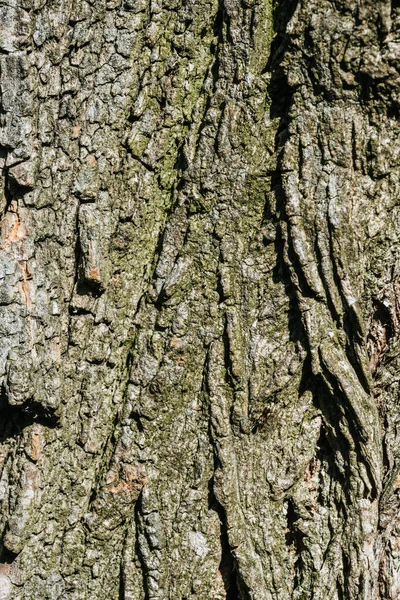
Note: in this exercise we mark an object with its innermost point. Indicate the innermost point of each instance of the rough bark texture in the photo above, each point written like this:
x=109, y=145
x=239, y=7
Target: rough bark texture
x=200, y=299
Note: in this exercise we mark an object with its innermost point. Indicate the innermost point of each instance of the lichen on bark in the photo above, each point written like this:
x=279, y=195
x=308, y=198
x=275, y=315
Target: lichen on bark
x=199, y=284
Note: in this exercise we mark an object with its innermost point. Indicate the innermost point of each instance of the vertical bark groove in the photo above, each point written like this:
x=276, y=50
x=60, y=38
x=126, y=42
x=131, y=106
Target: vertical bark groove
x=199, y=283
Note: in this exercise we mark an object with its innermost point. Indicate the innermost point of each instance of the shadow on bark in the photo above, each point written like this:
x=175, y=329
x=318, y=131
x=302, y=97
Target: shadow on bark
x=14, y=419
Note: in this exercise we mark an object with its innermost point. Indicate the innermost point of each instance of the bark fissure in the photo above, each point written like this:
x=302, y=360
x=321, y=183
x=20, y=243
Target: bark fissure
x=199, y=283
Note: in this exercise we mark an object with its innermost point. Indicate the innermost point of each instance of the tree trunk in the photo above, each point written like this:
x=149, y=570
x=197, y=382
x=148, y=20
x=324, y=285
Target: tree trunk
x=200, y=299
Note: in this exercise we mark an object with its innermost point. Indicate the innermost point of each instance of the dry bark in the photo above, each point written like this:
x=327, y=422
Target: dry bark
x=199, y=299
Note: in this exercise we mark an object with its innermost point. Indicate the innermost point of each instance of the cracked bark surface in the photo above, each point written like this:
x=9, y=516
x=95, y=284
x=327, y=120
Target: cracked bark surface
x=199, y=299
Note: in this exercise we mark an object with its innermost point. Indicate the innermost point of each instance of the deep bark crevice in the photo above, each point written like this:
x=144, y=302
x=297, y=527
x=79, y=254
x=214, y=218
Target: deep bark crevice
x=200, y=219
x=138, y=550
x=294, y=537
x=15, y=418
x=227, y=566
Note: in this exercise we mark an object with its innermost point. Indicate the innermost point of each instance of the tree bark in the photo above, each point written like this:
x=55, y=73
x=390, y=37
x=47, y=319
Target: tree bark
x=199, y=299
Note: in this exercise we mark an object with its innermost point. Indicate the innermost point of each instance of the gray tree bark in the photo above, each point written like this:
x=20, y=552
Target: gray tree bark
x=199, y=299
